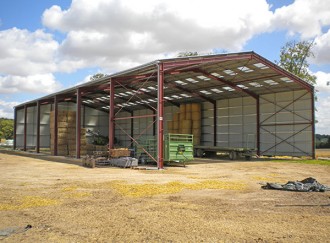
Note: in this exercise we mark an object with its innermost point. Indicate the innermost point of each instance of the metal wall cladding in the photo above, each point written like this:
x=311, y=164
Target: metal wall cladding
x=120, y=127
x=286, y=123
x=236, y=123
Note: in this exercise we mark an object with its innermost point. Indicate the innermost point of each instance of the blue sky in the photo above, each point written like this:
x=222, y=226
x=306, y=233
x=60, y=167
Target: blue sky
x=50, y=45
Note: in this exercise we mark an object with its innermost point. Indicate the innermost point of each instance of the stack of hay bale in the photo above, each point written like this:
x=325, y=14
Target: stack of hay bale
x=66, y=134
x=187, y=121
x=91, y=148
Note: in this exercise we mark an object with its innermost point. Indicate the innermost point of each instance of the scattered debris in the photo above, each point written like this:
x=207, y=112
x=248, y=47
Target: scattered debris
x=307, y=185
x=14, y=230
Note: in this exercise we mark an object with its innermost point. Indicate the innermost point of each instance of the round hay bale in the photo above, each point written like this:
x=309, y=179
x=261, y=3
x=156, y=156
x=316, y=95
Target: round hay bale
x=175, y=125
x=196, y=107
x=196, y=132
x=196, y=124
x=196, y=116
x=185, y=124
x=182, y=108
x=169, y=125
x=188, y=115
x=185, y=131
x=176, y=116
x=197, y=140
x=188, y=108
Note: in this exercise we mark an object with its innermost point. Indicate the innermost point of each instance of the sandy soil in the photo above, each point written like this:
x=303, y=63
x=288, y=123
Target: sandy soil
x=208, y=201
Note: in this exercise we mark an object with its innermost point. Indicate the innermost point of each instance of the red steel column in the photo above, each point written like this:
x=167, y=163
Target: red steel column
x=258, y=125
x=215, y=124
x=160, y=117
x=38, y=127
x=25, y=127
x=55, y=124
x=112, y=114
x=313, y=123
x=15, y=128
x=78, y=123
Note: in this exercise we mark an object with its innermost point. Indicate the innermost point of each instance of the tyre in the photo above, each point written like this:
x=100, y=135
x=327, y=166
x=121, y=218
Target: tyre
x=232, y=155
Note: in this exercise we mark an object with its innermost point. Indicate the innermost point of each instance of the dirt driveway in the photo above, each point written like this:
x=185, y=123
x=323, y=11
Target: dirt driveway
x=208, y=201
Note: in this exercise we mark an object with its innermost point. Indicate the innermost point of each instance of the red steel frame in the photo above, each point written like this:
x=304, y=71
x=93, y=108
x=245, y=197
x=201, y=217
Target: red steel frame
x=25, y=126
x=38, y=127
x=170, y=67
x=78, y=123
x=160, y=117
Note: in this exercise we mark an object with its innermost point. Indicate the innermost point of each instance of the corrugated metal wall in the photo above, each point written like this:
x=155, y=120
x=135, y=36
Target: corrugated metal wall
x=285, y=123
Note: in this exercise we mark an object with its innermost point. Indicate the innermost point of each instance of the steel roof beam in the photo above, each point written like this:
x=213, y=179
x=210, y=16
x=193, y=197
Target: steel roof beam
x=231, y=84
x=283, y=72
x=191, y=92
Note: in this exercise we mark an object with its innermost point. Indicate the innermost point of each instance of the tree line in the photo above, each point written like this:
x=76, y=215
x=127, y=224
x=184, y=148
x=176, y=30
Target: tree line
x=6, y=128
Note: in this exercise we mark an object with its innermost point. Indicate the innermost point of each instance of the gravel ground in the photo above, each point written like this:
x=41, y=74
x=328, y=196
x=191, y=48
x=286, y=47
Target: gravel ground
x=207, y=201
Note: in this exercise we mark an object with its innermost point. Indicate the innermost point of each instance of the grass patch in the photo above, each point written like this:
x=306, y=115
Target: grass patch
x=145, y=190
x=310, y=162
x=29, y=202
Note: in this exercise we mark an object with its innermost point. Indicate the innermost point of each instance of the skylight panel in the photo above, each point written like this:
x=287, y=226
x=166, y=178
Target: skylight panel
x=191, y=80
x=217, y=91
x=230, y=72
x=260, y=65
x=270, y=82
x=286, y=79
x=180, y=82
x=176, y=97
x=255, y=84
x=217, y=75
x=245, y=69
x=203, y=78
x=152, y=88
x=229, y=89
x=145, y=90
x=186, y=95
x=168, y=98
x=205, y=92
x=242, y=86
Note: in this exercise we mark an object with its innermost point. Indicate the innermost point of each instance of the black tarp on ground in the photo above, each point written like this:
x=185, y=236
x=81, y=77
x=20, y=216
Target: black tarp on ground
x=307, y=185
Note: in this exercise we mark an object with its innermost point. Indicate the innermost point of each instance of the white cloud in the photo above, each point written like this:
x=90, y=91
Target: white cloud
x=322, y=48
x=6, y=109
x=112, y=34
x=39, y=83
x=24, y=53
x=323, y=116
x=322, y=80
x=304, y=17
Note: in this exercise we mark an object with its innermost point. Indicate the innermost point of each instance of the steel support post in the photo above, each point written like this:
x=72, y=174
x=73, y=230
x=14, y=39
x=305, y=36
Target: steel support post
x=25, y=128
x=112, y=114
x=313, y=122
x=55, y=124
x=78, y=123
x=160, y=116
x=15, y=128
x=38, y=127
x=132, y=127
x=258, y=124
x=215, y=124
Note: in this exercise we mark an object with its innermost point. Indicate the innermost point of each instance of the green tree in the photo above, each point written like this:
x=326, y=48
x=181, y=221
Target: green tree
x=293, y=58
x=6, y=128
x=97, y=76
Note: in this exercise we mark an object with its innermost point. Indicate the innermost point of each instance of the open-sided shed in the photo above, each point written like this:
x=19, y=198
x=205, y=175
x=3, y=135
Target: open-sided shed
x=246, y=101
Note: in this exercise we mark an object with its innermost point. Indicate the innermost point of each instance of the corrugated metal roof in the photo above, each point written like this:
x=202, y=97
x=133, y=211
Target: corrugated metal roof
x=187, y=79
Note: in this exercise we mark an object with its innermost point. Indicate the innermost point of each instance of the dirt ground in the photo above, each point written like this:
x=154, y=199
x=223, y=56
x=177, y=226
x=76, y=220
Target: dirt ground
x=207, y=201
